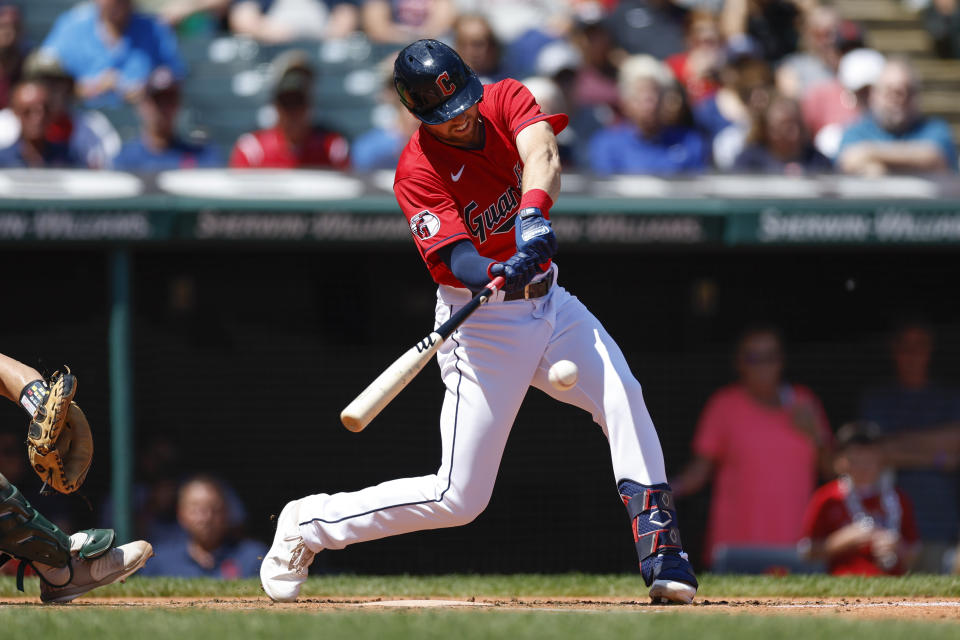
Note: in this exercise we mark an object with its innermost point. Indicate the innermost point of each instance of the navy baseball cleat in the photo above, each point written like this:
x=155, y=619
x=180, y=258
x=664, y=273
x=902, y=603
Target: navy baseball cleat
x=672, y=577
x=663, y=564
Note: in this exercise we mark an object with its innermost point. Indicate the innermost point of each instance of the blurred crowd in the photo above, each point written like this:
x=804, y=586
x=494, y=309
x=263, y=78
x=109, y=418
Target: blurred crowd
x=888, y=501
x=660, y=87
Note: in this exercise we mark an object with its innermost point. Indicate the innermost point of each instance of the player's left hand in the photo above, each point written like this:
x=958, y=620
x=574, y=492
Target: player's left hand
x=535, y=235
x=517, y=271
x=59, y=441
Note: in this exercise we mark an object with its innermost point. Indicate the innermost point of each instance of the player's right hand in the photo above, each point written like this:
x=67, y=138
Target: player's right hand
x=517, y=271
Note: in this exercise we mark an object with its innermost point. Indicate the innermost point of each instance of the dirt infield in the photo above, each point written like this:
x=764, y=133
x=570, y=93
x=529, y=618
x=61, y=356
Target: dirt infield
x=928, y=609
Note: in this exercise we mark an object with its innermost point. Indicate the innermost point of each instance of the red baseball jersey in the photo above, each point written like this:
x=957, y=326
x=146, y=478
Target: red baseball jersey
x=828, y=512
x=270, y=149
x=451, y=194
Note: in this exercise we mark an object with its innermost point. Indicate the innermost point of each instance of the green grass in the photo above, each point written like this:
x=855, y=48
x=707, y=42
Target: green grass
x=27, y=619
x=124, y=624
x=628, y=586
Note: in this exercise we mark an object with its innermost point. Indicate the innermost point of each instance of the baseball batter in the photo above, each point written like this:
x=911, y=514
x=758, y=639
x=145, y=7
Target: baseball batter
x=476, y=182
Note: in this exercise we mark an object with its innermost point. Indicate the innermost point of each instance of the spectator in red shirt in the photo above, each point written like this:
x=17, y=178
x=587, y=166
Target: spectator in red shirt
x=760, y=441
x=860, y=524
x=294, y=142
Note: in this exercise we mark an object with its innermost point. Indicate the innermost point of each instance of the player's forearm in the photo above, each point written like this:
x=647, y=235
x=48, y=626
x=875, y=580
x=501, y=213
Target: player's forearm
x=467, y=266
x=542, y=171
x=14, y=376
x=541, y=159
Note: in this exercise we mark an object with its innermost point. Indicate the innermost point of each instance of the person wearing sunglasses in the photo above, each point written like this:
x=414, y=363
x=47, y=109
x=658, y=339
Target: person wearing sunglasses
x=761, y=441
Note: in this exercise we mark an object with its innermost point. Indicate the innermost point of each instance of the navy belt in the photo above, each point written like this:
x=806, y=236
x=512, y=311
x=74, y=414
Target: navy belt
x=536, y=289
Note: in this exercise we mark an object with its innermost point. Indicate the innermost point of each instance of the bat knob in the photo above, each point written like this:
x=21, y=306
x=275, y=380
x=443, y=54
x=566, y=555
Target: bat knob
x=351, y=422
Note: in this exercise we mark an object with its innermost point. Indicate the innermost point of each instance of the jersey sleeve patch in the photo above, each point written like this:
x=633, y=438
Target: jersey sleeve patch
x=424, y=225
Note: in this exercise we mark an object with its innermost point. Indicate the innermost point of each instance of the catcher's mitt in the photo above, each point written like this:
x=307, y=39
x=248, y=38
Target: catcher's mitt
x=59, y=441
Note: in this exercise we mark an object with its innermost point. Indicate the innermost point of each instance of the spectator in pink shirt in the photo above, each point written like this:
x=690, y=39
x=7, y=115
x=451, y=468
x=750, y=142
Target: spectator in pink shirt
x=761, y=441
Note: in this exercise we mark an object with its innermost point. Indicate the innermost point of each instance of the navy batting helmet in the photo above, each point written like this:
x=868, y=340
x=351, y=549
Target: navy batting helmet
x=434, y=82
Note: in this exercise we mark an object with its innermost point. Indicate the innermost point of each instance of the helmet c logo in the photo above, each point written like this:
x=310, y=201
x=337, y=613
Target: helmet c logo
x=446, y=86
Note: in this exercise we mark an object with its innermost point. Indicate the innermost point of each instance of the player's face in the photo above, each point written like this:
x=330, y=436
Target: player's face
x=464, y=130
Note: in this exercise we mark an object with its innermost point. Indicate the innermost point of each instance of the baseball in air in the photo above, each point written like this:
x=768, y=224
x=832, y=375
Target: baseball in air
x=563, y=375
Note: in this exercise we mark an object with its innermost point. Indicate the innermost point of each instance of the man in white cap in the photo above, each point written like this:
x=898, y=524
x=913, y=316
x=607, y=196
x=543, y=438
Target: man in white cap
x=830, y=107
x=895, y=137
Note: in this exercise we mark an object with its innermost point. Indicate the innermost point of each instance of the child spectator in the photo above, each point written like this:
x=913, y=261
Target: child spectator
x=860, y=524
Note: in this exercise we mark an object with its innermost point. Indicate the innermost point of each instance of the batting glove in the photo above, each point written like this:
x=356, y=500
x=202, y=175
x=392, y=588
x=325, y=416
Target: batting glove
x=534, y=235
x=517, y=271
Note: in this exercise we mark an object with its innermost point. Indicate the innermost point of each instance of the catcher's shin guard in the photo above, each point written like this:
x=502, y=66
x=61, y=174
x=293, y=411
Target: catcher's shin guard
x=663, y=563
x=27, y=535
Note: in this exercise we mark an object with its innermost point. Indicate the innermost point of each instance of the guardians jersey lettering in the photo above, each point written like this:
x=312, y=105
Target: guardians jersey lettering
x=473, y=194
x=487, y=220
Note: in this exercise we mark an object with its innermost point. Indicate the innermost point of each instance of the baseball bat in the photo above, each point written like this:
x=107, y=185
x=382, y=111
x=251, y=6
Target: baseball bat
x=372, y=400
